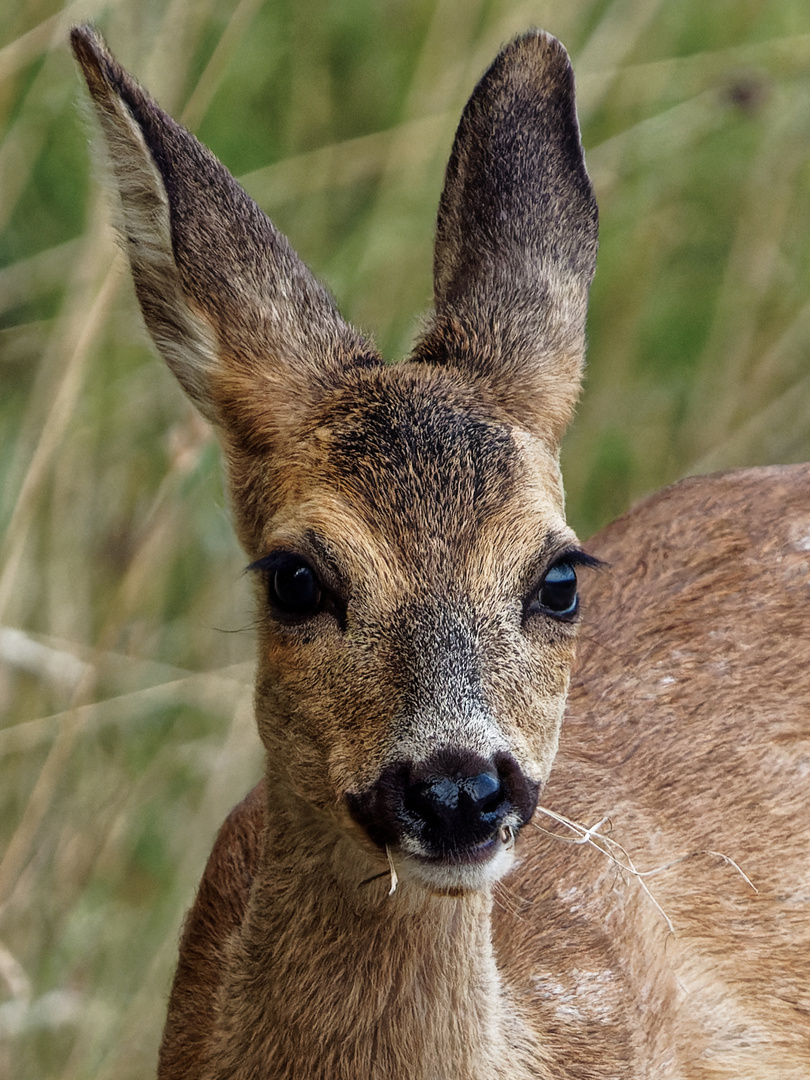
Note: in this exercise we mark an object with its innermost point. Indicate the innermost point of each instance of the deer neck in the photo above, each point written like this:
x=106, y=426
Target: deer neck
x=331, y=978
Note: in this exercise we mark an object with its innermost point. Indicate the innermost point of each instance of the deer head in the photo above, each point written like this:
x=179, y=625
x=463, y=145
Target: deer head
x=416, y=579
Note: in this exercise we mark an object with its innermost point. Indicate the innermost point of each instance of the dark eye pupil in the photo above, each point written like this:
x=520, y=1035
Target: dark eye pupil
x=558, y=590
x=295, y=590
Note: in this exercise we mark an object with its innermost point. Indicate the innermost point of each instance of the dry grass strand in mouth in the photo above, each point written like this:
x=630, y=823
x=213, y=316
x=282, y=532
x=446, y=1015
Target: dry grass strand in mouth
x=619, y=855
x=390, y=872
x=508, y=837
x=394, y=878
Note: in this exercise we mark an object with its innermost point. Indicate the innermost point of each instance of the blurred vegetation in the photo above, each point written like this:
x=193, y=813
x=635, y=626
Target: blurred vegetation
x=125, y=640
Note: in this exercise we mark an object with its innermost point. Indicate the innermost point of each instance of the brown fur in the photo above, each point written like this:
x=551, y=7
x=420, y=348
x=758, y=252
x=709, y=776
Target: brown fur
x=425, y=498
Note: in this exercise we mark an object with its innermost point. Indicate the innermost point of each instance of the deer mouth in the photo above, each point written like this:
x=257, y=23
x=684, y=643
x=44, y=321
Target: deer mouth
x=472, y=855
x=473, y=869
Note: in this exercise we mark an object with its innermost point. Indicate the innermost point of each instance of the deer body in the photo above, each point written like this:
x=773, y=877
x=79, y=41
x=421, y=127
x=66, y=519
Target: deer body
x=416, y=590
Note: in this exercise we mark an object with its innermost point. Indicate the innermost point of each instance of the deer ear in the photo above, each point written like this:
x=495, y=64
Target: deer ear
x=250, y=334
x=516, y=240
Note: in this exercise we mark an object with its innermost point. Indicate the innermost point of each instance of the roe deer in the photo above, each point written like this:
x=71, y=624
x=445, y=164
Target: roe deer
x=417, y=598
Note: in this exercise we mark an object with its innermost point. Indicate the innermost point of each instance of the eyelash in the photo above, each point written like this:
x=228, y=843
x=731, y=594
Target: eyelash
x=296, y=591
x=561, y=599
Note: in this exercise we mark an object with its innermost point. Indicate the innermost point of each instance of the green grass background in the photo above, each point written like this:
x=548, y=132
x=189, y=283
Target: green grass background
x=125, y=642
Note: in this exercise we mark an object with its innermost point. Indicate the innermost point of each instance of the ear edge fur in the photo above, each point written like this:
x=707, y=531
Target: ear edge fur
x=512, y=274
x=216, y=367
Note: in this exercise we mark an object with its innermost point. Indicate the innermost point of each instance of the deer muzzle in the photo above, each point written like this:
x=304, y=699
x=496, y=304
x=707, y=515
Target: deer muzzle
x=454, y=808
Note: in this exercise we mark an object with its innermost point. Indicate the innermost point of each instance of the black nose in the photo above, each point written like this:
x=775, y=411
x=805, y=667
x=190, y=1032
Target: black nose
x=449, y=806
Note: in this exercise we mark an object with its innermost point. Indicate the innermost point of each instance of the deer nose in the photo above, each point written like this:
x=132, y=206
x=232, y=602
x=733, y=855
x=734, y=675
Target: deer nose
x=452, y=804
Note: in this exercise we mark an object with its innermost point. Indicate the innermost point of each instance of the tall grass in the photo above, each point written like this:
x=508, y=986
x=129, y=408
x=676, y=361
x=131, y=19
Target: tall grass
x=124, y=621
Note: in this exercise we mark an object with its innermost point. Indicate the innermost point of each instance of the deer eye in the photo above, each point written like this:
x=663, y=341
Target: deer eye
x=557, y=595
x=293, y=589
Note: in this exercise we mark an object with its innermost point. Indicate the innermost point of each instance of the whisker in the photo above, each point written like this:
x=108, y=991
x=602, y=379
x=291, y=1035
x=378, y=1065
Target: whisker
x=374, y=877
x=508, y=900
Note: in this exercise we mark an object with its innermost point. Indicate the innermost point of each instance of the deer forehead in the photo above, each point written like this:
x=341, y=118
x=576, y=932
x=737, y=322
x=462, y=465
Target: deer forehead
x=416, y=478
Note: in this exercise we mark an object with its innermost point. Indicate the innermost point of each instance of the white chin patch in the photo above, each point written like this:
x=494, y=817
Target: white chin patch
x=454, y=877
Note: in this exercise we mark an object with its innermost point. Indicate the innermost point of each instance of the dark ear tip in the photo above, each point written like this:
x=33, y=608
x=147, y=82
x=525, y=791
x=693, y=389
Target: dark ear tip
x=87, y=44
x=102, y=72
x=536, y=56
